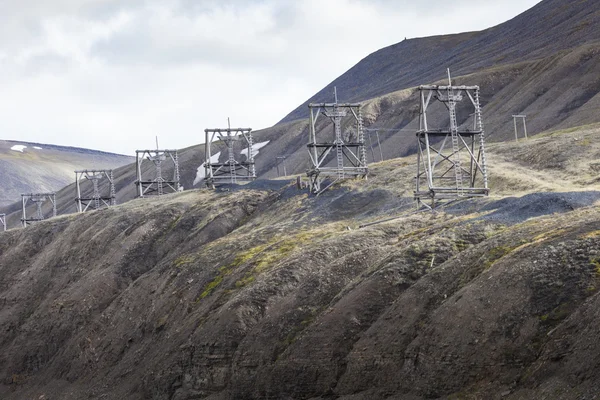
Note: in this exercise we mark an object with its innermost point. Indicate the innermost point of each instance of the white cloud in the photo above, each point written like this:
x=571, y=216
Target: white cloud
x=111, y=75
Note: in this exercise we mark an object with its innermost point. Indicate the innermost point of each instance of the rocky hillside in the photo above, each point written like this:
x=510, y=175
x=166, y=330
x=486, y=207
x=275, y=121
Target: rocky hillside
x=32, y=167
x=264, y=292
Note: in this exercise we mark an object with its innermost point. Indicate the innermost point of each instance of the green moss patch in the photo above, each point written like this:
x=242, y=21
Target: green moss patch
x=181, y=262
x=495, y=254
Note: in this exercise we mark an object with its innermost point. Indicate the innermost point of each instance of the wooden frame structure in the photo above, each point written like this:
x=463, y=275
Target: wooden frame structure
x=451, y=162
x=95, y=200
x=349, y=149
x=158, y=185
x=233, y=170
x=38, y=199
x=523, y=118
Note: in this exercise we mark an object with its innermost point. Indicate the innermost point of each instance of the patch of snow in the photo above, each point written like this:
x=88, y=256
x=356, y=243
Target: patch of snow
x=201, y=173
x=255, y=149
x=37, y=148
x=18, y=147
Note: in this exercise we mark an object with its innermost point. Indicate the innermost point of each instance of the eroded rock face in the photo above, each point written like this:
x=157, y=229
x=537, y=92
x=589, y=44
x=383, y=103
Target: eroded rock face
x=254, y=294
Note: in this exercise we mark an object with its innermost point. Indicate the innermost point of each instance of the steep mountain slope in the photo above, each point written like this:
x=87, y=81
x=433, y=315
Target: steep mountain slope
x=544, y=63
x=32, y=167
x=556, y=92
x=261, y=293
x=546, y=29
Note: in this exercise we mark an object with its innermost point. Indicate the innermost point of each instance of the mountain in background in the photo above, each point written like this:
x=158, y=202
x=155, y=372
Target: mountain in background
x=550, y=27
x=33, y=167
x=544, y=63
x=124, y=175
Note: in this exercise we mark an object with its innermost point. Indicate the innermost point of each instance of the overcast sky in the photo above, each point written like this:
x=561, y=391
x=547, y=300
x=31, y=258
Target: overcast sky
x=112, y=74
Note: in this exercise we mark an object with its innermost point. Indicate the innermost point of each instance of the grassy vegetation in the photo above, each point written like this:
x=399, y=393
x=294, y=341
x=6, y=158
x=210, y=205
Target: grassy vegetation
x=246, y=280
x=570, y=130
x=182, y=261
x=596, y=264
x=558, y=314
x=259, y=258
x=495, y=254
x=212, y=285
x=591, y=235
